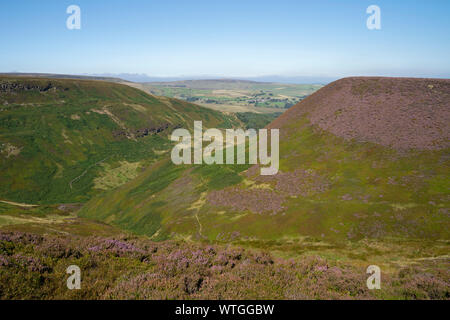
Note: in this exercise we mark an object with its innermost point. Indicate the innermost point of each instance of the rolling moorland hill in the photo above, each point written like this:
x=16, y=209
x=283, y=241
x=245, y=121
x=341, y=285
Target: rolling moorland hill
x=63, y=140
x=400, y=113
x=360, y=158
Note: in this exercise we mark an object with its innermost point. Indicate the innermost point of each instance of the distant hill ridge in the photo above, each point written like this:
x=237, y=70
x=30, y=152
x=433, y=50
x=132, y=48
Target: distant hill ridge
x=60, y=76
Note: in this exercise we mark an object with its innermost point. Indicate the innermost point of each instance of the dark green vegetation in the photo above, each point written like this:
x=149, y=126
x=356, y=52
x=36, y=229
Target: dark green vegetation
x=252, y=120
x=57, y=136
x=234, y=95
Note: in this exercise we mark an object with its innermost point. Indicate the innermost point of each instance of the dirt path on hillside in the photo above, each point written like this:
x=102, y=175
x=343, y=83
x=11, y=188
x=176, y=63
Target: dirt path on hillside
x=197, y=205
x=19, y=204
x=85, y=171
x=199, y=225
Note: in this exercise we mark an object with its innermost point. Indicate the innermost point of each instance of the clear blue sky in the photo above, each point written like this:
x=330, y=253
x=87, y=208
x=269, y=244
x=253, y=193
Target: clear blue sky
x=227, y=38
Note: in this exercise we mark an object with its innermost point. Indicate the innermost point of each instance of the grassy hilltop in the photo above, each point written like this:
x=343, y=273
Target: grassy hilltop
x=64, y=140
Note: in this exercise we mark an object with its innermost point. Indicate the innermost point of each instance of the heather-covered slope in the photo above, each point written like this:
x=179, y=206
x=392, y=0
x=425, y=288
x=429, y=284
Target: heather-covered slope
x=360, y=158
x=123, y=267
x=63, y=140
x=402, y=113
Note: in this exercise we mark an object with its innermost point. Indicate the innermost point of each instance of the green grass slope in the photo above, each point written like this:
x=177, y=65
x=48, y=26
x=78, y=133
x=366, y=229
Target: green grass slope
x=64, y=140
x=330, y=186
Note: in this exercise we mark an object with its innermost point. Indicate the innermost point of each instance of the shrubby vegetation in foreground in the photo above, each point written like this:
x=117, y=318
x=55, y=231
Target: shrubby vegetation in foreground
x=123, y=267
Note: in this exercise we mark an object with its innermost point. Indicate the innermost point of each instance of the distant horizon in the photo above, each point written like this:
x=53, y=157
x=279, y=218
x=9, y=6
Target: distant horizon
x=143, y=77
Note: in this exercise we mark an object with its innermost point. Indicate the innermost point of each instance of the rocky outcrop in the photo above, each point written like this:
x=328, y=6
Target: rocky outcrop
x=140, y=133
x=12, y=87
